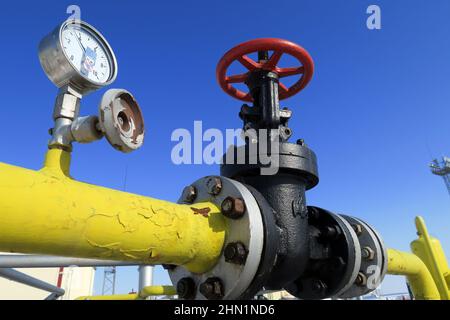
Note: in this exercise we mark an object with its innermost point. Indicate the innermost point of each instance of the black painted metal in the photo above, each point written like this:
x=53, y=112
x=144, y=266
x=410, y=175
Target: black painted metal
x=284, y=190
x=332, y=257
x=295, y=159
x=308, y=251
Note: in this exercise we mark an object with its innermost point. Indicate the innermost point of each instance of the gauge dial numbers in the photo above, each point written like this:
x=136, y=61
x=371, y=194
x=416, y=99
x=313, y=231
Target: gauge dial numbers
x=86, y=53
x=76, y=54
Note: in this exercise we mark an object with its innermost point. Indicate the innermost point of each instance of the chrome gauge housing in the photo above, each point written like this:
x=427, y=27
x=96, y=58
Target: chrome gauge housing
x=60, y=67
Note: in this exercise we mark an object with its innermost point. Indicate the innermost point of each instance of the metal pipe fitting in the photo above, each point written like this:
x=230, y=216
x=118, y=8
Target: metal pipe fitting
x=84, y=129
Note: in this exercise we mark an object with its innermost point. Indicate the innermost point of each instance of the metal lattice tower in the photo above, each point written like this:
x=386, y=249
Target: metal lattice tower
x=109, y=281
x=442, y=169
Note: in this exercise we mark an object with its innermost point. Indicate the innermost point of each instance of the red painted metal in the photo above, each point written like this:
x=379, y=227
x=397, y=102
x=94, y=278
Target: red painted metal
x=279, y=47
x=60, y=277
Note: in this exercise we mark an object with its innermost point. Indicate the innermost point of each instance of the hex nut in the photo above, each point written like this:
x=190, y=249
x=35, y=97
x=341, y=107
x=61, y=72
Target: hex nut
x=212, y=289
x=233, y=208
x=186, y=288
x=235, y=253
x=367, y=253
x=357, y=228
x=214, y=185
x=189, y=194
x=319, y=286
x=361, y=279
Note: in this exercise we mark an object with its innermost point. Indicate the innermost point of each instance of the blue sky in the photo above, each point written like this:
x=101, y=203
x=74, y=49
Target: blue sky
x=375, y=113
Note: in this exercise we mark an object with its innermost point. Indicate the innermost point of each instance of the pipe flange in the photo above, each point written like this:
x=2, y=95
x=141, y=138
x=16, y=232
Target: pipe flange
x=271, y=246
x=369, y=275
x=229, y=275
x=356, y=250
x=333, y=275
x=383, y=247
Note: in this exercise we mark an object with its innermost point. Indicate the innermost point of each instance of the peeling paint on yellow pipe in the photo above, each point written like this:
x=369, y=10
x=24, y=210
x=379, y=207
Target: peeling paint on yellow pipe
x=47, y=212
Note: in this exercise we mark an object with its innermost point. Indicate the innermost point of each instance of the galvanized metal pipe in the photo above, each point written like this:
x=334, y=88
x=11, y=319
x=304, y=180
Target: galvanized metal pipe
x=39, y=261
x=418, y=275
x=23, y=278
x=145, y=277
x=47, y=212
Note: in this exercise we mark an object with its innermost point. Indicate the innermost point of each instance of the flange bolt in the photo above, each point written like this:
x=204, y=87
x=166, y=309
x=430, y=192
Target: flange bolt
x=214, y=185
x=233, y=208
x=319, y=286
x=361, y=279
x=367, y=253
x=235, y=253
x=189, y=194
x=357, y=228
x=186, y=288
x=212, y=289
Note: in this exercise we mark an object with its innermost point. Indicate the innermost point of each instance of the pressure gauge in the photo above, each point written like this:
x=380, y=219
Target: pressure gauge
x=76, y=54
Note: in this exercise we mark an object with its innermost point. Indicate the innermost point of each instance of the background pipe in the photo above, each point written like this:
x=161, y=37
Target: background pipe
x=39, y=261
x=146, y=292
x=145, y=277
x=419, y=277
x=23, y=278
x=131, y=296
x=430, y=251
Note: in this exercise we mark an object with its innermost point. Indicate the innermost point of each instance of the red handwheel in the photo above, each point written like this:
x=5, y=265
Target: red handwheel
x=279, y=47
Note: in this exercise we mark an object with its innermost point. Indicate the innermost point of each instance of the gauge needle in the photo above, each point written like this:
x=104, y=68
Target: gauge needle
x=79, y=41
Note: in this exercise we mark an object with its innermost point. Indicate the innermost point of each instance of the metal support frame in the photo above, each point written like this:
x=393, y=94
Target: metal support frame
x=39, y=261
x=23, y=278
x=109, y=281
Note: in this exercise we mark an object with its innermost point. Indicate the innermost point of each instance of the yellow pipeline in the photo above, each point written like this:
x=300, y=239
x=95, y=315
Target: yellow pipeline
x=145, y=293
x=430, y=251
x=418, y=275
x=47, y=212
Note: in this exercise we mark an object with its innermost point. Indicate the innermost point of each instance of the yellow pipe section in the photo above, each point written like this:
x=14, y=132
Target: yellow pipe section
x=418, y=275
x=122, y=297
x=145, y=293
x=47, y=212
x=157, y=291
x=430, y=251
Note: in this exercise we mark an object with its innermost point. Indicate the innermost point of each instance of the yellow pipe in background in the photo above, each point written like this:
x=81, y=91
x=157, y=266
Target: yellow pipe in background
x=419, y=277
x=47, y=212
x=430, y=251
x=157, y=291
x=123, y=297
x=145, y=293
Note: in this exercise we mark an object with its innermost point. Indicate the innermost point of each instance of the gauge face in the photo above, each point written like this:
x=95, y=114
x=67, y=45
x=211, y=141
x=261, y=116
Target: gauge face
x=87, y=53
